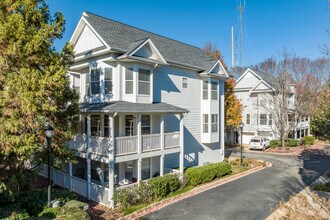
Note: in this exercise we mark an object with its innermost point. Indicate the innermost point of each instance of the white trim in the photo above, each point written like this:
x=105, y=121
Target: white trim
x=246, y=72
x=220, y=64
x=152, y=45
x=262, y=81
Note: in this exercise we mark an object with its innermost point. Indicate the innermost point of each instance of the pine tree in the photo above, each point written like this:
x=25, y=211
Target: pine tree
x=34, y=88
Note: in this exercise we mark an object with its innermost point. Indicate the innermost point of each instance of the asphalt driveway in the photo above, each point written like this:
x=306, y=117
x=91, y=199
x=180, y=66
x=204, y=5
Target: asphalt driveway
x=253, y=196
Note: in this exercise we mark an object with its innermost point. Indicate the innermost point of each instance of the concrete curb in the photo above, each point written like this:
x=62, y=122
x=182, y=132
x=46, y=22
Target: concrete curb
x=159, y=205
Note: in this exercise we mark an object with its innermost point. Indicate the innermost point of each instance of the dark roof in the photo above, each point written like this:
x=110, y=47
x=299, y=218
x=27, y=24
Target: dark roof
x=265, y=76
x=122, y=37
x=129, y=107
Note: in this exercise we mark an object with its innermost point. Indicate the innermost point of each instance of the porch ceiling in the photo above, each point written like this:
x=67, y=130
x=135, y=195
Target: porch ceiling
x=129, y=107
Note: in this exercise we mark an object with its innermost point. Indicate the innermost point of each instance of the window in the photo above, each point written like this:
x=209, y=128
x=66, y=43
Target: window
x=270, y=119
x=247, y=99
x=107, y=80
x=263, y=102
x=129, y=81
x=76, y=83
x=145, y=168
x=184, y=83
x=144, y=82
x=214, y=91
x=95, y=125
x=205, y=123
x=129, y=125
x=106, y=126
x=205, y=90
x=145, y=124
x=129, y=167
x=248, y=119
x=95, y=81
x=263, y=119
x=87, y=85
x=214, y=122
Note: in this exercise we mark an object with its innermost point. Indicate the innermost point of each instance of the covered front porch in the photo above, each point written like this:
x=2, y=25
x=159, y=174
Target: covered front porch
x=128, y=142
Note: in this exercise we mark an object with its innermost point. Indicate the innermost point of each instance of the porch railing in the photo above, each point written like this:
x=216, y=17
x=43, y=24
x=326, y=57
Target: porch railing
x=150, y=142
x=172, y=140
x=126, y=145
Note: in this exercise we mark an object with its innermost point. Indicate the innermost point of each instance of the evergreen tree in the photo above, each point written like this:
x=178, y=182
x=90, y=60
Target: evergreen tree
x=34, y=88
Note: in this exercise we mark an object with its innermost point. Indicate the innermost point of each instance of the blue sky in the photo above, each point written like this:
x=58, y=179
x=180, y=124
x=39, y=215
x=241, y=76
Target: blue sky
x=269, y=25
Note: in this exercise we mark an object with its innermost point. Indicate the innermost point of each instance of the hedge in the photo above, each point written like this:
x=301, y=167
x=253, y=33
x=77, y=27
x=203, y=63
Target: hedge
x=207, y=173
x=291, y=143
x=275, y=143
x=308, y=140
x=147, y=192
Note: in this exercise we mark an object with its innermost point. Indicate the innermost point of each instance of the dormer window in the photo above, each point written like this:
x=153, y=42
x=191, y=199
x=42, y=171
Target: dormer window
x=107, y=80
x=144, y=82
x=95, y=81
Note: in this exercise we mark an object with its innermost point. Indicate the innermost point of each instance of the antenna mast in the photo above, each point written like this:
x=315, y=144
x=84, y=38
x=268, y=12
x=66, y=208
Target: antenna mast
x=241, y=9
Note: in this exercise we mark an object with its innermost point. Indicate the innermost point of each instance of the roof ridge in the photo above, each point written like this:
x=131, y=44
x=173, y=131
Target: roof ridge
x=144, y=30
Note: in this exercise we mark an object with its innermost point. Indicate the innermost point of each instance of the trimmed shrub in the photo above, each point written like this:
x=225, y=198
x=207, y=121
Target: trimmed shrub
x=207, y=173
x=147, y=192
x=275, y=143
x=308, y=140
x=291, y=143
x=164, y=185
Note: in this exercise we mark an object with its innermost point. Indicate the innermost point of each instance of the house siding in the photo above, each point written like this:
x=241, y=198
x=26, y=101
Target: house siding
x=87, y=41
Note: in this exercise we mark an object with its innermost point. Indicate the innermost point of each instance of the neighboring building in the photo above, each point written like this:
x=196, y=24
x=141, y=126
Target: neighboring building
x=253, y=88
x=148, y=104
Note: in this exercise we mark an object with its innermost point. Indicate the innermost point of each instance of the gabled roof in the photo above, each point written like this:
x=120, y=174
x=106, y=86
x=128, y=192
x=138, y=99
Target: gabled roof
x=122, y=37
x=259, y=74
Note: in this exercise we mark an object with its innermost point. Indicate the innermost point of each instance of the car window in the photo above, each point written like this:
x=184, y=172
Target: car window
x=255, y=140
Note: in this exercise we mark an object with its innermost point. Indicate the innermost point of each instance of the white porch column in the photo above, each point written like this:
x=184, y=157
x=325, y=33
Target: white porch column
x=111, y=160
x=162, y=165
x=70, y=176
x=295, y=133
x=181, y=144
x=222, y=122
x=139, y=134
x=162, y=144
x=139, y=170
x=88, y=155
x=88, y=177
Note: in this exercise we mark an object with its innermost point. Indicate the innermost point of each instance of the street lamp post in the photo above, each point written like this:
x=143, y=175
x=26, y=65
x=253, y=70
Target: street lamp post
x=49, y=131
x=241, y=128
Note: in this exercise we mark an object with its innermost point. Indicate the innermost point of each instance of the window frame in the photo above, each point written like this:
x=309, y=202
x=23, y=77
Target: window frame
x=143, y=126
x=247, y=98
x=248, y=118
x=184, y=85
x=205, y=123
x=216, y=91
x=205, y=90
x=108, y=80
x=96, y=82
x=214, y=123
x=144, y=82
x=129, y=81
x=263, y=120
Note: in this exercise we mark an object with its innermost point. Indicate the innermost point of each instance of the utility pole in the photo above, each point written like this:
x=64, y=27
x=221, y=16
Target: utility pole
x=232, y=48
x=241, y=9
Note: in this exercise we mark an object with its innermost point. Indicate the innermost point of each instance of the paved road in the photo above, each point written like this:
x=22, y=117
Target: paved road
x=252, y=196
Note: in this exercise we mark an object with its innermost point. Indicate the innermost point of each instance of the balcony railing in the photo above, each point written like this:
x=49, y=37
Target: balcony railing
x=125, y=145
x=150, y=142
x=172, y=140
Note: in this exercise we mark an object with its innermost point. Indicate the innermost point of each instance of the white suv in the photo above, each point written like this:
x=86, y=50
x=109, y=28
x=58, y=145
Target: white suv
x=259, y=143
